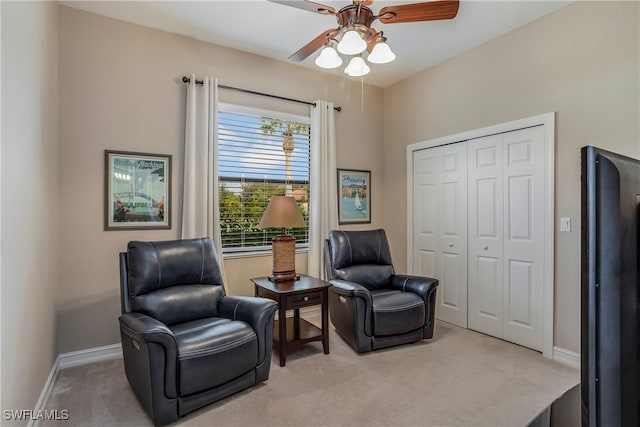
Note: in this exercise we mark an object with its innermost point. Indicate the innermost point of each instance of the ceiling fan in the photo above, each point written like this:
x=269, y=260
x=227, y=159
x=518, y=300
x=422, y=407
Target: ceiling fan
x=354, y=33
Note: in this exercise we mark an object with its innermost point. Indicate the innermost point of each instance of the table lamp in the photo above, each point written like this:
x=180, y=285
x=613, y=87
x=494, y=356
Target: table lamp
x=282, y=212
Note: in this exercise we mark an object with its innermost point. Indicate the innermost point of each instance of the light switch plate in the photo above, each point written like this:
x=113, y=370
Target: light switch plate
x=565, y=224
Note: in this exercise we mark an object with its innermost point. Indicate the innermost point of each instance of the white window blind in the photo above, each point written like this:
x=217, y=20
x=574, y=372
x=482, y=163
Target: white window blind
x=261, y=154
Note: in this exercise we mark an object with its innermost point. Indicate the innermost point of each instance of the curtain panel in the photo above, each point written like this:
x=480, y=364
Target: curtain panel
x=200, y=213
x=323, y=209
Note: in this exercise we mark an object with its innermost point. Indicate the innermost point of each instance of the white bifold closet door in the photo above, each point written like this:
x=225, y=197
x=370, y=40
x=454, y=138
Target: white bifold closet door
x=506, y=235
x=486, y=296
x=478, y=225
x=440, y=241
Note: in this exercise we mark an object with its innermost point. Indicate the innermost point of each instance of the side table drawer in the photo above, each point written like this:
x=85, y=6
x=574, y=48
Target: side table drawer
x=304, y=299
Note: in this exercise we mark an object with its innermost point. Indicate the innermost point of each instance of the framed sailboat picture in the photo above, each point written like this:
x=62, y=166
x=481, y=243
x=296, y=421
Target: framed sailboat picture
x=354, y=196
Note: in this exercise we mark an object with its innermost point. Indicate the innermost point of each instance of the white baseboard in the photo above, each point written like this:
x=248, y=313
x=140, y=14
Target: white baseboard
x=566, y=357
x=90, y=355
x=69, y=360
x=46, y=391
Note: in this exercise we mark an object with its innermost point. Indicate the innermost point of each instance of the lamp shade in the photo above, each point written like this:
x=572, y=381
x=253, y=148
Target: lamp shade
x=328, y=58
x=282, y=212
x=381, y=54
x=357, y=67
x=351, y=43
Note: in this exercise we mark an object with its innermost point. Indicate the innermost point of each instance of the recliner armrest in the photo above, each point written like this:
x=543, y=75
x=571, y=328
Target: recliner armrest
x=146, y=327
x=351, y=312
x=257, y=312
x=351, y=289
x=146, y=334
x=422, y=286
x=253, y=310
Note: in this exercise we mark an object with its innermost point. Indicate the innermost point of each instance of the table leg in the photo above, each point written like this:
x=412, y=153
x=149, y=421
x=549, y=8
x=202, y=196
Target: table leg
x=296, y=323
x=282, y=326
x=325, y=321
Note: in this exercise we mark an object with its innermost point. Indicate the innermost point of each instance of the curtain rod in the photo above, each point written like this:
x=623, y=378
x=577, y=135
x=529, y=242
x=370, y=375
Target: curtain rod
x=186, y=79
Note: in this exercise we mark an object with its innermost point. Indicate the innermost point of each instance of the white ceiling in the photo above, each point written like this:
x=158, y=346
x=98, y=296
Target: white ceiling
x=276, y=31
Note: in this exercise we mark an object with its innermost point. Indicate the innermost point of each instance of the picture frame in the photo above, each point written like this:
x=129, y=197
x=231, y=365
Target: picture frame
x=354, y=196
x=137, y=191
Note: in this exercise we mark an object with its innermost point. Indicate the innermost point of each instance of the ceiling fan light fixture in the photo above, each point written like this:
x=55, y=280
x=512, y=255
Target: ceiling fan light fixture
x=351, y=43
x=381, y=54
x=357, y=67
x=328, y=58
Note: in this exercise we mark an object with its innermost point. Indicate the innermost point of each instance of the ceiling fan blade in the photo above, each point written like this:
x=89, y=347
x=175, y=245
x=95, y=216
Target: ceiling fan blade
x=415, y=12
x=313, y=45
x=308, y=5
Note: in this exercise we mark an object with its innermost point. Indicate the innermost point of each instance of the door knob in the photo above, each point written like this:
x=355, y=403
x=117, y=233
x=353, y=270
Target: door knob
x=451, y=245
x=485, y=247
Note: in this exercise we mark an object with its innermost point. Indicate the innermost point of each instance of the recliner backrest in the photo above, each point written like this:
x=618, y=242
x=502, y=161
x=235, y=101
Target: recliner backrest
x=174, y=281
x=361, y=256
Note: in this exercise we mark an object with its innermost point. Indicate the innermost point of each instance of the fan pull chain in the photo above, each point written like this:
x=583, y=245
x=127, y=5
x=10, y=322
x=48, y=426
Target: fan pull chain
x=361, y=94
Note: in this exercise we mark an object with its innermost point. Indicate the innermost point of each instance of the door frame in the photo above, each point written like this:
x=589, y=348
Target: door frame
x=549, y=123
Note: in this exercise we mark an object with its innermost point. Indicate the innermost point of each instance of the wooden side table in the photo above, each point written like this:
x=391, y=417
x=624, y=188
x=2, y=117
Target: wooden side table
x=293, y=295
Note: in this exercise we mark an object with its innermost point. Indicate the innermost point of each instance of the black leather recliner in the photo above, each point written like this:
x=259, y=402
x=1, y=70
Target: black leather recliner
x=370, y=306
x=185, y=344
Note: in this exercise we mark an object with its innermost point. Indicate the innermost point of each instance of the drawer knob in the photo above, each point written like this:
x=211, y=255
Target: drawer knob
x=306, y=298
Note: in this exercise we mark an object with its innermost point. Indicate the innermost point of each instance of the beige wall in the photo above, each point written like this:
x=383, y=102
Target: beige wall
x=581, y=62
x=29, y=188
x=119, y=89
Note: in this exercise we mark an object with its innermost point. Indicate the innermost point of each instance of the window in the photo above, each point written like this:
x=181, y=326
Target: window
x=260, y=154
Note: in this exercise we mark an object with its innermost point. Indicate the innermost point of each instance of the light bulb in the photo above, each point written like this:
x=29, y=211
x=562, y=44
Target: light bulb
x=357, y=67
x=381, y=54
x=328, y=58
x=351, y=43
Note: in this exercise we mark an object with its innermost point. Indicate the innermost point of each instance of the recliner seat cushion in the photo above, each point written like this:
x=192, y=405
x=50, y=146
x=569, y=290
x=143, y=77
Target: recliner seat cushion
x=206, y=345
x=396, y=312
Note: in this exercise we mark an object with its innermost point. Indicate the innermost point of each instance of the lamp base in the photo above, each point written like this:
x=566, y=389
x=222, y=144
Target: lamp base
x=284, y=277
x=284, y=258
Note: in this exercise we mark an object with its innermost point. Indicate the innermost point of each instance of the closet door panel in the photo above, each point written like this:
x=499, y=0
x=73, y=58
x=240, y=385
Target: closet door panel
x=519, y=200
x=524, y=169
x=452, y=234
x=488, y=277
x=485, y=255
x=520, y=293
x=450, y=276
x=425, y=218
x=427, y=263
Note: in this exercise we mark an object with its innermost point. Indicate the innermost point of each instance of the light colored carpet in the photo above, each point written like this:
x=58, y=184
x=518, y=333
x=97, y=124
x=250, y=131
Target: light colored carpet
x=460, y=378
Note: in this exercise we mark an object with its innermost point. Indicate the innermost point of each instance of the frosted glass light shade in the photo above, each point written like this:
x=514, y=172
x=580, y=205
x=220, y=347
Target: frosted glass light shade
x=328, y=58
x=357, y=67
x=351, y=43
x=381, y=54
